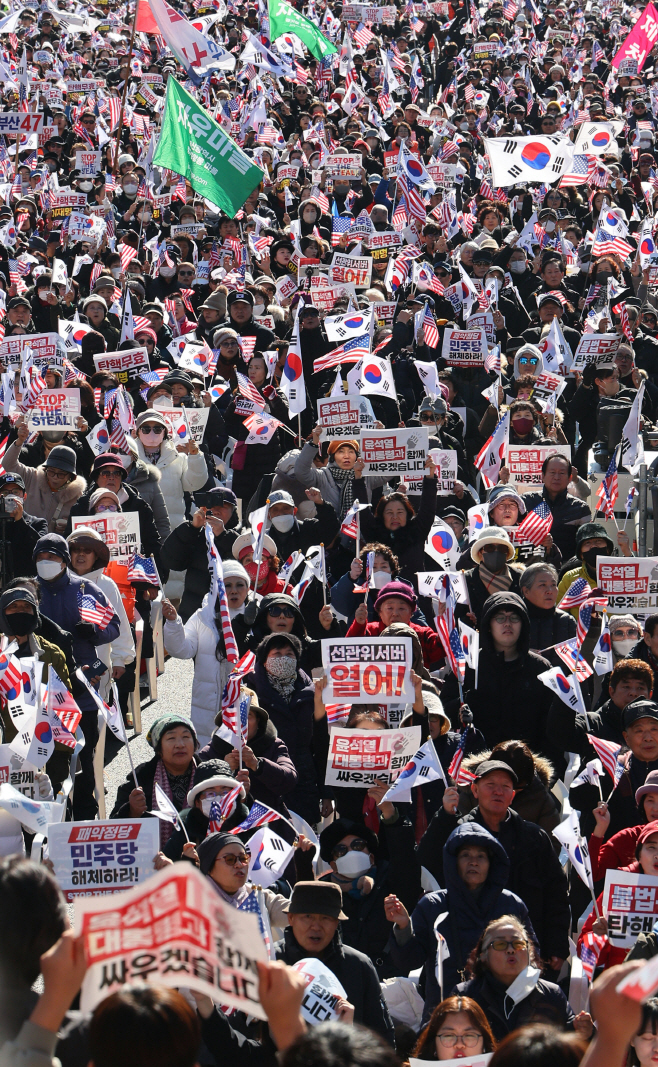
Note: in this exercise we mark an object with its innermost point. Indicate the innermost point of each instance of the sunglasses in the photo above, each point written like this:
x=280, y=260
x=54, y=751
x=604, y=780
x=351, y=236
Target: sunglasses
x=533, y=361
x=231, y=860
x=356, y=846
x=281, y=609
x=427, y=417
x=149, y=428
x=501, y=945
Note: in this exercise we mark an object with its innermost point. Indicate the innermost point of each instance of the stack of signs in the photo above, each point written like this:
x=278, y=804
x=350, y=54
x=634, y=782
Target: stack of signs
x=106, y=856
x=55, y=409
x=344, y=416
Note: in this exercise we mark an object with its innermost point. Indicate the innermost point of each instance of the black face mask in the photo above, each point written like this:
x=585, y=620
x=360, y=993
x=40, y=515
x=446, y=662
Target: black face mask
x=494, y=559
x=589, y=558
x=21, y=623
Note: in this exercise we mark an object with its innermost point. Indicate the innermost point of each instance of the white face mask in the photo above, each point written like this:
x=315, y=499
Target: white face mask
x=625, y=647
x=353, y=864
x=49, y=569
x=549, y=226
x=381, y=578
x=144, y=216
x=463, y=126
x=259, y=309
x=167, y=272
x=283, y=523
x=43, y=295
x=130, y=189
x=85, y=186
x=518, y=267
x=206, y=805
x=116, y=272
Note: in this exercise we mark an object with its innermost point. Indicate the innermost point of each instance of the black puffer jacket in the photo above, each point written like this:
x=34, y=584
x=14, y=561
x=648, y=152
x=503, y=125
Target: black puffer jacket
x=547, y=628
x=408, y=541
x=509, y=701
x=545, y=1004
x=185, y=550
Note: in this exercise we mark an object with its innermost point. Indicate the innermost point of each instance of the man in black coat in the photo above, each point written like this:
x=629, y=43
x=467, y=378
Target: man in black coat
x=240, y=311
x=535, y=872
x=569, y=512
x=315, y=911
x=185, y=548
x=19, y=531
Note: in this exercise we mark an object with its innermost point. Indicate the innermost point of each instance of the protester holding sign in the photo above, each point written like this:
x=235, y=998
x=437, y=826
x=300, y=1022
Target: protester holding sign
x=52, y=488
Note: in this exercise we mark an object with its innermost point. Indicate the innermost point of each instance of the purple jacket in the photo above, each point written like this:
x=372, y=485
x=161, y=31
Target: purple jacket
x=276, y=774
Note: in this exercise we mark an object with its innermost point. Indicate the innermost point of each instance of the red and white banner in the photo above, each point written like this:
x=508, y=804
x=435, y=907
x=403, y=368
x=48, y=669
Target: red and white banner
x=641, y=39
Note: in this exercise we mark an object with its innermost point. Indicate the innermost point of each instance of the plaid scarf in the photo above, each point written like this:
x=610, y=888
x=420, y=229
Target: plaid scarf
x=495, y=583
x=345, y=482
x=176, y=787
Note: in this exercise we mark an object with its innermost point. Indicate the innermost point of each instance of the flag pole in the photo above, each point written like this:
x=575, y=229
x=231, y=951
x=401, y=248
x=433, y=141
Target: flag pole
x=155, y=568
x=115, y=164
x=324, y=576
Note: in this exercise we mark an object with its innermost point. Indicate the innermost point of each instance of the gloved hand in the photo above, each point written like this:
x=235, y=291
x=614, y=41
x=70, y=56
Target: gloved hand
x=44, y=785
x=269, y=391
x=465, y=715
x=86, y=630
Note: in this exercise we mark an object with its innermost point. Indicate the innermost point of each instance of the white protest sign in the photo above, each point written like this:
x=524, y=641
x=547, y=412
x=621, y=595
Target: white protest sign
x=105, y=856
x=88, y=163
x=323, y=991
x=480, y=1059
x=197, y=420
x=343, y=416
x=55, y=409
x=353, y=270
x=446, y=469
x=125, y=365
x=630, y=904
x=173, y=930
x=394, y=451
x=525, y=463
x=598, y=348
x=631, y=583
x=18, y=773
x=464, y=348
x=46, y=348
x=364, y=670
x=365, y=758
x=119, y=531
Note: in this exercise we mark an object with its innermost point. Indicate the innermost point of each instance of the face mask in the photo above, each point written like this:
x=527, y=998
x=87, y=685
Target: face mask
x=463, y=126
x=21, y=624
x=624, y=648
x=253, y=570
x=85, y=186
x=381, y=578
x=150, y=440
x=259, y=309
x=130, y=189
x=116, y=272
x=353, y=864
x=52, y=436
x=495, y=559
x=206, y=805
x=549, y=226
x=167, y=272
x=49, y=569
x=283, y=523
x=43, y=295
x=518, y=267
x=127, y=461
x=590, y=557
x=144, y=216
x=282, y=667
x=523, y=426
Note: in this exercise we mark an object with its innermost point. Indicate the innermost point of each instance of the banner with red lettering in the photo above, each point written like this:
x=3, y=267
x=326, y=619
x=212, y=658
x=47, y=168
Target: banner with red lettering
x=641, y=39
x=369, y=757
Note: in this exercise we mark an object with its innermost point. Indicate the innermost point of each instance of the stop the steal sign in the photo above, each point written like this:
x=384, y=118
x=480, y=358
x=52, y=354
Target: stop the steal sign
x=55, y=409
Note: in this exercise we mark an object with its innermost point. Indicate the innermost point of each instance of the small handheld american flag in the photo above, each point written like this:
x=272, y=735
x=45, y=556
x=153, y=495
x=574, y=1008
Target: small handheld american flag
x=142, y=569
x=536, y=525
x=223, y=807
x=577, y=593
x=608, y=752
x=608, y=491
x=94, y=612
x=259, y=815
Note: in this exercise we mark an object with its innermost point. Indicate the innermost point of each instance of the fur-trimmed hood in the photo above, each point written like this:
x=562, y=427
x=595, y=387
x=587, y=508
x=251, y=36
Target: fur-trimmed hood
x=543, y=768
x=142, y=472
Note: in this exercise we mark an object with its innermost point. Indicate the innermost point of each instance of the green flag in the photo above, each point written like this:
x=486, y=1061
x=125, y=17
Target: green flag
x=194, y=145
x=285, y=19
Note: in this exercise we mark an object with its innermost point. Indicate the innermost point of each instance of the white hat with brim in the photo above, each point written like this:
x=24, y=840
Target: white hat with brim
x=247, y=541
x=494, y=536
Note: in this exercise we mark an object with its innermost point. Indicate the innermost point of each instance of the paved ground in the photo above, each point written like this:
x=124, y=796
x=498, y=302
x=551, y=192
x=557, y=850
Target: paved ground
x=174, y=695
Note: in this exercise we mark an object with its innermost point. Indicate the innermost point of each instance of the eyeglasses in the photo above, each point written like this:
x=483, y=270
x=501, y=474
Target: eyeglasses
x=427, y=416
x=281, y=609
x=148, y=428
x=625, y=633
x=470, y=1039
x=501, y=945
x=356, y=846
x=186, y=274
x=106, y=507
x=242, y=858
x=228, y=344
x=503, y=617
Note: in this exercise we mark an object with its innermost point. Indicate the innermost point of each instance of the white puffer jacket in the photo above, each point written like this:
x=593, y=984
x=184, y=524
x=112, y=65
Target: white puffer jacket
x=120, y=652
x=197, y=640
x=180, y=474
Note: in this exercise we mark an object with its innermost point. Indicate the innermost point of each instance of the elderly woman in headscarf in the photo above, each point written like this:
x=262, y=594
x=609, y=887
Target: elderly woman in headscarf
x=173, y=767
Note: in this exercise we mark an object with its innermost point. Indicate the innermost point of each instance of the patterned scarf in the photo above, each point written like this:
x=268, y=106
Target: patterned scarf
x=176, y=787
x=495, y=583
x=345, y=482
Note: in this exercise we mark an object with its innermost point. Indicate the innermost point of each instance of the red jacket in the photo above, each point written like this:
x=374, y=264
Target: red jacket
x=618, y=851
x=611, y=955
x=430, y=642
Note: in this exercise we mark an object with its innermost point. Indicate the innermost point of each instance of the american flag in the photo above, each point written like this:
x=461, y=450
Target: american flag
x=426, y=276
x=363, y=36
x=11, y=678
x=218, y=595
x=608, y=490
x=247, y=347
x=351, y=352
x=536, y=525
x=259, y=815
x=142, y=569
x=339, y=227
x=620, y=309
x=221, y=808
x=456, y=761
x=249, y=391
x=350, y=525
x=430, y=330
x=232, y=688
x=609, y=753
x=180, y=192
x=448, y=632
x=590, y=951
x=126, y=254
x=592, y=294
x=604, y=245
x=63, y=704
x=582, y=166
x=399, y=220
x=414, y=203
x=577, y=593
x=597, y=53
x=92, y=611
x=337, y=713
x=510, y=9
x=570, y=654
x=585, y=616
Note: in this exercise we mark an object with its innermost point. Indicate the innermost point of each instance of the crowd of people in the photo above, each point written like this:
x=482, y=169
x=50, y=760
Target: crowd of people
x=385, y=391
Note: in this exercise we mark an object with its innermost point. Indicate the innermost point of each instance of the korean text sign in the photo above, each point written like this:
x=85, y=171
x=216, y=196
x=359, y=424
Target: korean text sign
x=107, y=856
x=46, y=348
x=173, y=930
x=364, y=670
x=631, y=583
x=55, y=409
x=18, y=773
x=125, y=365
x=394, y=451
x=596, y=348
x=369, y=757
x=630, y=904
x=641, y=39
x=119, y=531
x=342, y=416
x=525, y=464
x=464, y=348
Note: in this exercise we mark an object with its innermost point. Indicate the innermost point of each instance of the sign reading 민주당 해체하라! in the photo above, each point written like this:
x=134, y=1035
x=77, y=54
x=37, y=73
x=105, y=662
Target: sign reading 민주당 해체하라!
x=194, y=145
